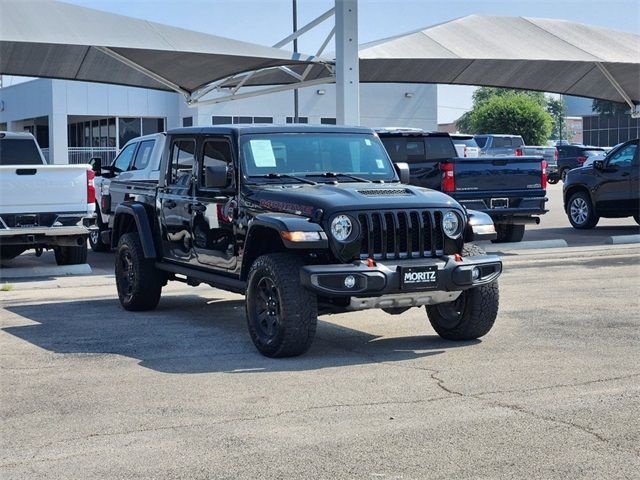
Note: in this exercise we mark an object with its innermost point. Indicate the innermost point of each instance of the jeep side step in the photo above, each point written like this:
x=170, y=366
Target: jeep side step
x=218, y=281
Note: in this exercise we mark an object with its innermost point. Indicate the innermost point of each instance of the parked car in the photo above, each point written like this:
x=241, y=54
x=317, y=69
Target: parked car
x=589, y=161
x=139, y=159
x=303, y=220
x=609, y=188
x=574, y=156
x=550, y=155
x=499, y=145
x=43, y=206
x=466, y=146
x=512, y=190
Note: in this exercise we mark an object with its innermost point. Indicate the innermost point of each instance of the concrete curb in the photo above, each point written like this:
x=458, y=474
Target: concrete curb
x=46, y=271
x=620, y=239
x=503, y=247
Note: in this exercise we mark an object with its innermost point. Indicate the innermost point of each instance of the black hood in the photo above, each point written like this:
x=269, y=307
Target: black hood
x=303, y=199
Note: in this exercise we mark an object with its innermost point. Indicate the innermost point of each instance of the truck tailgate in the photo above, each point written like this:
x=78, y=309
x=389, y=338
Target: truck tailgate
x=502, y=174
x=43, y=188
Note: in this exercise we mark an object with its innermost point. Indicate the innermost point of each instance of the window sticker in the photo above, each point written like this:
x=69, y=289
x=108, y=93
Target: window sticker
x=367, y=142
x=262, y=152
x=379, y=163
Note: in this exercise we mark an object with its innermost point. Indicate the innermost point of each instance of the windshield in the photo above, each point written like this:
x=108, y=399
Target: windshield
x=15, y=151
x=469, y=142
x=313, y=154
x=591, y=153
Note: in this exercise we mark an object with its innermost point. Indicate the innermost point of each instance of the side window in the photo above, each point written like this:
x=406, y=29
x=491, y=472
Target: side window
x=517, y=142
x=182, y=161
x=501, y=142
x=122, y=161
x=415, y=151
x=624, y=156
x=214, y=152
x=143, y=155
x=481, y=141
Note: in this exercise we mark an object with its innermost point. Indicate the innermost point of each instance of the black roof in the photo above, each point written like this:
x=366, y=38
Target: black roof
x=245, y=129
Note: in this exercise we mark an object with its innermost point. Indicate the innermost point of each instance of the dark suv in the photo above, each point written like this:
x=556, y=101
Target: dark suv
x=303, y=220
x=608, y=188
x=573, y=156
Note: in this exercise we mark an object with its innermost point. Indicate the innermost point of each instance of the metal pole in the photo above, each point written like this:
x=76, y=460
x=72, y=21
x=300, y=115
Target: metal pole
x=296, y=116
x=347, y=66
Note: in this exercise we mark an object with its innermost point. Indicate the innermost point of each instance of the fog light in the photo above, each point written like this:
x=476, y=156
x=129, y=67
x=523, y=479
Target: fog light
x=349, y=281
x=475, y=273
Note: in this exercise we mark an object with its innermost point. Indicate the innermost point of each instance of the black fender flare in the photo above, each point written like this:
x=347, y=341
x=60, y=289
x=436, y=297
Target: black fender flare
x=282, y=222
x=479, y=226
x=141, y=217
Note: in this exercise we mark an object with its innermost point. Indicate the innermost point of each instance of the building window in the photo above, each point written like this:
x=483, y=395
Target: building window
x=187, y=121
x=242, y=119
x=221, y=120
x=129, y=129
x=300, y=120
x=328, y=121
x=152, y=125
x=262, y=119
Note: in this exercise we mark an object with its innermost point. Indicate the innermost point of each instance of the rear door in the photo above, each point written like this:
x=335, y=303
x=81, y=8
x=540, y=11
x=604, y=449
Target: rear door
x=176, y=198
x=212, y=209
x=120, y=166
x=614, y=195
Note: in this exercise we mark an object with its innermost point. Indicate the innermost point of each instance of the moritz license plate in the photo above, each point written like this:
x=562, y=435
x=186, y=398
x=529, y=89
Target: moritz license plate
x=419, y=278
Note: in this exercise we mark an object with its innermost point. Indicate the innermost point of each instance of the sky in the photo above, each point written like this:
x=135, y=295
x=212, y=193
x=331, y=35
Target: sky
x=268, y=21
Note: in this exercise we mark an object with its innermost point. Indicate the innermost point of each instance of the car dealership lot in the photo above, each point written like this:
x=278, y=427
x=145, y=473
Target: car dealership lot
x=91, y=391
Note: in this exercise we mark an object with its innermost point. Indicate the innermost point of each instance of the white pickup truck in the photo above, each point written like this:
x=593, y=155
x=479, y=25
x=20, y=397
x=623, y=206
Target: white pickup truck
x=43, y=206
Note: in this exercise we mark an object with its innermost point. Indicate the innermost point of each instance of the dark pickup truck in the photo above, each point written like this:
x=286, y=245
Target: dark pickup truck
x=511, y=190
x=303, y=220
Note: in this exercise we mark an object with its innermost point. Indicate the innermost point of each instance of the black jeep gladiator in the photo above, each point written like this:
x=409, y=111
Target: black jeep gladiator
x=511, y=190
x=303, y=220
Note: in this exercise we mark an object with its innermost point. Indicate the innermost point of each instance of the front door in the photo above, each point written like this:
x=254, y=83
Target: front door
x=213, y=209
x=175, y=200
x=613, y=196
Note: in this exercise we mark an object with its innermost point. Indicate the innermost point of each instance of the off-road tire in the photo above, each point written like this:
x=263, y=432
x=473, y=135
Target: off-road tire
x=138, y=281
x=95, y=239
x=509, y=233
x=582, y=200
x=9, y=252
x=71, y=255
x=478, y=313
x=297, y=310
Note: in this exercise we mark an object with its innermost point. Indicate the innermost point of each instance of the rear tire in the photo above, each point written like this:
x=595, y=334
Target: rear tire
x=509, y=233
x=552, y=181
x=138, y=281
x=95, y=238
x=9, y=252
x=563, y=175
x=474, y=312
x=71, y=255
x=281, y=314
x=580, y=211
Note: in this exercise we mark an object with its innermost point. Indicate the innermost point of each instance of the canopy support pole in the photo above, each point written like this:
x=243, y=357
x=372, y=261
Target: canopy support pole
x=347, y=64
x=635, y=109
x=144, y=71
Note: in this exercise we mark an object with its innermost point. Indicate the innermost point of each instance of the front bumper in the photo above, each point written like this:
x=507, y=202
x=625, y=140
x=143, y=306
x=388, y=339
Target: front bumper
x=380, y=286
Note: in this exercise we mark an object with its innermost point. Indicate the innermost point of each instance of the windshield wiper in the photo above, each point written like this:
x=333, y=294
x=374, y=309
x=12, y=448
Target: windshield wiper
x=338, y=174
x=284, y=175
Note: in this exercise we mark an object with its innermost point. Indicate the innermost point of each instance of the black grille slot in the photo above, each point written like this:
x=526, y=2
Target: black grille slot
x=386, y=192
x=400, y=234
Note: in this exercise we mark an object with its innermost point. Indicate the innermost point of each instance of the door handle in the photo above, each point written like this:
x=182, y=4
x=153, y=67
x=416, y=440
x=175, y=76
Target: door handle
x=170, y=204
x=197, y=208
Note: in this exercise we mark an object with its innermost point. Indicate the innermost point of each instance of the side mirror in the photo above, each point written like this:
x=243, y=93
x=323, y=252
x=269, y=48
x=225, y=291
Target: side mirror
x=403, y=172
x=598, y=164
x=216, y=176
x=96, y=165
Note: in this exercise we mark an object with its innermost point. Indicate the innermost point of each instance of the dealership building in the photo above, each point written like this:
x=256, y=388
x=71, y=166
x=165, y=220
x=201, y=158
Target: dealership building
x=75, y=121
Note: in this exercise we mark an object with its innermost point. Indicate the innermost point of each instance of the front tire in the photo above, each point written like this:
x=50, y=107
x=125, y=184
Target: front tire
x=509, y=233
x=472, y=314
x=281, y=314
x=138, y=281
x=580, y=211
x=71, y=255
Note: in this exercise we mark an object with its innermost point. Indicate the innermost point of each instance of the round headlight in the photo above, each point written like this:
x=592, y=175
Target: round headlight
x=451, y=224
x=341, y=228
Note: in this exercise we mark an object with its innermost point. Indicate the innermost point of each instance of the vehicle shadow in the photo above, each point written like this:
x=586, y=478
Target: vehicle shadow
x=192, y=334
x=594, y=237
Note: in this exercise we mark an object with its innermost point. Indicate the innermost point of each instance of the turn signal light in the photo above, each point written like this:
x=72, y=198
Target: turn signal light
x=301, y=236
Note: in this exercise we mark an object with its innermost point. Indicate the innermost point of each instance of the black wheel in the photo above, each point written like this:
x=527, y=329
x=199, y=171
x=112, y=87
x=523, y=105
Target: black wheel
x=472, y=314
x=563, y=175
x=581, y=212
x=138, y=281
x=281, y=314
x=71, y=255
x=8, y=252
x=509, y=233
x=95, y=240
x=552, y=181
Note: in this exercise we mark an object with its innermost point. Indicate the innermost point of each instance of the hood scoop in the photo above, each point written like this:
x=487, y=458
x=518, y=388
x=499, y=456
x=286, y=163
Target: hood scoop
x=386, y=192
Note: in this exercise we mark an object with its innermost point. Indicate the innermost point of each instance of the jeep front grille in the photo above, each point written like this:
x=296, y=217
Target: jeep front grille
x=401, y=234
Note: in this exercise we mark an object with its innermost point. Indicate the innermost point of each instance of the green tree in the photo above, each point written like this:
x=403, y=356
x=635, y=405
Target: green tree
x=515, y=114
x=610, y=109
x=482, y=94
x=557, y=110
x=463, y=124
